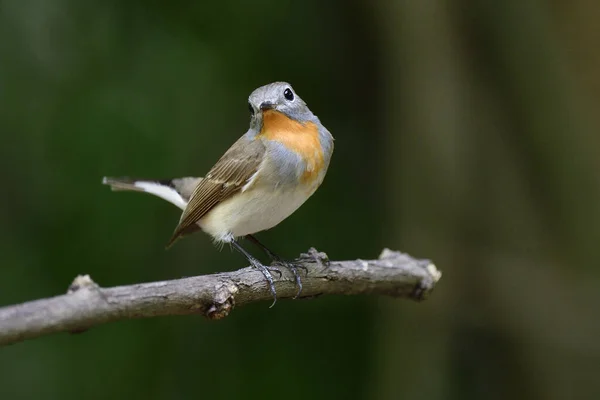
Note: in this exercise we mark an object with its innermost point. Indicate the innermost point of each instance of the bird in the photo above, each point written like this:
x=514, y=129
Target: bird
x=264, y=177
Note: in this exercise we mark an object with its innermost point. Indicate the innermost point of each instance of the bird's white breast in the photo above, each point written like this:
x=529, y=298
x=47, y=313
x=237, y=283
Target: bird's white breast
x=254, y=210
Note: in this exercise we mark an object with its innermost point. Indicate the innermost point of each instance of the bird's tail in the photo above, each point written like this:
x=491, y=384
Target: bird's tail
x=175, y=191
x=121, y=184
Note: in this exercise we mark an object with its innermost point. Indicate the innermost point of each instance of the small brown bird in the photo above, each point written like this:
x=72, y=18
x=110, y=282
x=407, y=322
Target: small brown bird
x=262, y=179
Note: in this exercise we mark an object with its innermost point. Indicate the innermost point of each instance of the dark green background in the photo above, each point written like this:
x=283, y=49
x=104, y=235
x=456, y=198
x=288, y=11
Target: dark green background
x=466, y=132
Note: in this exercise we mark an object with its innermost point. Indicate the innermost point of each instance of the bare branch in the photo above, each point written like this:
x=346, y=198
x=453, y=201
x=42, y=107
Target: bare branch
x=214, y=296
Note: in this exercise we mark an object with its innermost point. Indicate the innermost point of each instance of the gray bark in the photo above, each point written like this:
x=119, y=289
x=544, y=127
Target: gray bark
x=86, y=304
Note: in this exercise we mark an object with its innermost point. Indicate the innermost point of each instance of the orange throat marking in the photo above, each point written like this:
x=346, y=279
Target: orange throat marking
x=298, y=137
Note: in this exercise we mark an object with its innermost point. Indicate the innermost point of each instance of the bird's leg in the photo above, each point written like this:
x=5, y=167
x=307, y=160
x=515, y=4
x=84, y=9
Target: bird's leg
x=266, y=271
x=274, y=257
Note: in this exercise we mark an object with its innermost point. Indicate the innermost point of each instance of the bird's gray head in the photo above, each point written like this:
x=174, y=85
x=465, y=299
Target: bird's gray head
x=278, y=96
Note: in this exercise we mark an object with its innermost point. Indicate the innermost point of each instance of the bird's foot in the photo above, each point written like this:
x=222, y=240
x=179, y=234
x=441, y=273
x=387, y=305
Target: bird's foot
x=266, y=271
x=293, y=267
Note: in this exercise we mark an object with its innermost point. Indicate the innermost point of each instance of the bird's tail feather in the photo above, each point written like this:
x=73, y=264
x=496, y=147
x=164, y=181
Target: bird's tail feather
x=121, y=184
x=165, y=189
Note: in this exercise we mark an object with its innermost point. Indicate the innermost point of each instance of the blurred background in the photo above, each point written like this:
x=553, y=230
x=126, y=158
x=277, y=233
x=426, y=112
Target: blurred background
x=466, y=132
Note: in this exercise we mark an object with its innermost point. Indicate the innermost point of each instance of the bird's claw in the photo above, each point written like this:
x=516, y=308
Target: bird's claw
x=274, y=269
x=266, y=271
x=294, y=270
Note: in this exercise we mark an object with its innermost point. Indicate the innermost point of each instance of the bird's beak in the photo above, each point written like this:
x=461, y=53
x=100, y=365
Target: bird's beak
x=266, y=105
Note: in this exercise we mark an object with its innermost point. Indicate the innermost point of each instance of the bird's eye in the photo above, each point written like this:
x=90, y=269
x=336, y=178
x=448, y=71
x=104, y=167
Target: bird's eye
x=251, y=109
x=288, y=94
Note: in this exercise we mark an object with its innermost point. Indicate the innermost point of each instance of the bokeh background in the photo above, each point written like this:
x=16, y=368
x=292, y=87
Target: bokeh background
x=467, y=132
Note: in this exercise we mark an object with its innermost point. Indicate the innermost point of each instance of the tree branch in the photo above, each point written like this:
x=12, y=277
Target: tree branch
x=214, y=296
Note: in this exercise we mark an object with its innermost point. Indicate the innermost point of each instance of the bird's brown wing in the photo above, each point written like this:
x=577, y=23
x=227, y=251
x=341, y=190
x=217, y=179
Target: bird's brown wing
x=226, y=178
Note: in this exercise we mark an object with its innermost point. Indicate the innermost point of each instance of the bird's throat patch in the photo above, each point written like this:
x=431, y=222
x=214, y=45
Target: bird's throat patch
x=303, y=138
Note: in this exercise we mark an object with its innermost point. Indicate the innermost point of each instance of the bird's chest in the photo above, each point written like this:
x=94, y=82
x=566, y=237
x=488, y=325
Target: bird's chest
x=291, y=171
x=275, y=206
x=254, y=210
x=294, y=150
